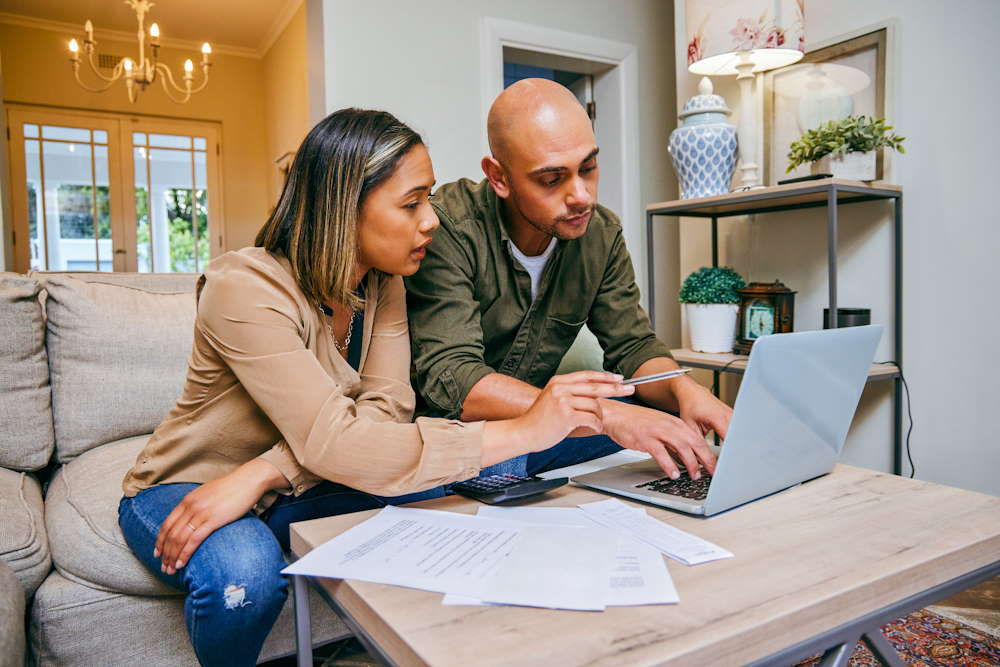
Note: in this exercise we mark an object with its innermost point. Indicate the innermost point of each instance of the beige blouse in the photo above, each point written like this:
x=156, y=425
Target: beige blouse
x=264, y=380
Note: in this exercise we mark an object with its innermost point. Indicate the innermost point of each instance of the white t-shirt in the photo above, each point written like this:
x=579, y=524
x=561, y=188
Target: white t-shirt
x=533, y=265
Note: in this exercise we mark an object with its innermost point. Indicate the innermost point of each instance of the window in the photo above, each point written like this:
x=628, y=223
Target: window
x=106, y=192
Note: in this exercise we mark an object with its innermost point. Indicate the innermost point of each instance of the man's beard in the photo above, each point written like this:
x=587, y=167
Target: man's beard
x=550, y=229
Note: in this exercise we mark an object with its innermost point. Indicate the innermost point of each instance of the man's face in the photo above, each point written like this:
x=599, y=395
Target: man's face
x=552, y=175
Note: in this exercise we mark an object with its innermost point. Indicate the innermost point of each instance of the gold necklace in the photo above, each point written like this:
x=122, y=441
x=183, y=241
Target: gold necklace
x=326, y=310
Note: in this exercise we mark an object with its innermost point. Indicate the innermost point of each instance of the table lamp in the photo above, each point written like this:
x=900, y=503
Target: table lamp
x=743, y=37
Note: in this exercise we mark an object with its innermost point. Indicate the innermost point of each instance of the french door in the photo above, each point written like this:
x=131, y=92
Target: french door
x=109, y=192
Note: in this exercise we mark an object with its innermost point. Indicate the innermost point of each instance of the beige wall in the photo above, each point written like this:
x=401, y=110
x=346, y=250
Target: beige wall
x=6, y=226
x=37, y=71
x=286, y=97
x=950, y=235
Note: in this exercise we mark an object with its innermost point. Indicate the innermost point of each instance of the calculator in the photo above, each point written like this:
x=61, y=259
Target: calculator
x=501, y=488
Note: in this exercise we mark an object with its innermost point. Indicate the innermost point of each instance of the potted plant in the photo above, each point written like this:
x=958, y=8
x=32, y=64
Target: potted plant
x=845, y=148
x=711, y=304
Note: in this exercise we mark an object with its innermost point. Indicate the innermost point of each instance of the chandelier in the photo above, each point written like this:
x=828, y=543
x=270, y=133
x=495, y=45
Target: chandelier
x=145, y=70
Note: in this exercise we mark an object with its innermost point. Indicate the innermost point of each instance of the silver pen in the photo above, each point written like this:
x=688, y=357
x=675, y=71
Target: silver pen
x=657, y=376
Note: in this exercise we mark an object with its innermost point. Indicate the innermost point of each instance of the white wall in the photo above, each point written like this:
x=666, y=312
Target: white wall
x=942, y=95
x=421, y=61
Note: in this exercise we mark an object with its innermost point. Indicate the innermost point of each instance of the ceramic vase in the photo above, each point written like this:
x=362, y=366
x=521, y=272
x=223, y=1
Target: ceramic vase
x=703, y=148
x=712, y=326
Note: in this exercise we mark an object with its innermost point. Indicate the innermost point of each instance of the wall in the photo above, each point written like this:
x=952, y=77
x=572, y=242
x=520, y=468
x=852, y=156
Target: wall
x=286, y=101
x=6, y=245
x=940, y=98
x=421, y=61
x=37, y=71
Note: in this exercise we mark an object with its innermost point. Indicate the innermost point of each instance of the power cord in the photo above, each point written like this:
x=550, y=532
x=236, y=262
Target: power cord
x=909, y=416
x=716, y=384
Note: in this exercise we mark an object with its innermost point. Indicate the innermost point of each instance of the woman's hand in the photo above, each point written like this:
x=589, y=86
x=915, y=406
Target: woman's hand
x=211, y=506
x=568, y=403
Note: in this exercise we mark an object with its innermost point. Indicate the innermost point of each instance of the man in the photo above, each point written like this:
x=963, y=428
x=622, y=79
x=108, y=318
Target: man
x=521, y=262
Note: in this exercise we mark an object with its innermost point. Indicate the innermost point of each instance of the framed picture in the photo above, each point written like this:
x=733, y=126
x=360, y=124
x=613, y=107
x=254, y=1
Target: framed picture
x=840, y=80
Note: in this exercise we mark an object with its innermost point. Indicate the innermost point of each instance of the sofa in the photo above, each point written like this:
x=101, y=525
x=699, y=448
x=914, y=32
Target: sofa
x=89, y=364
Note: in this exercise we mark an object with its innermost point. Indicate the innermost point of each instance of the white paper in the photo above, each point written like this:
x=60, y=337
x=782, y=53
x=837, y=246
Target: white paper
x=433, y=551
x=559, y=567
x=639, y=575
x=679, y=545
x=490, y=559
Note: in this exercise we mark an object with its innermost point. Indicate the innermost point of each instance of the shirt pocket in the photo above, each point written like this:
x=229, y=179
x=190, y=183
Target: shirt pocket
x=560, y=333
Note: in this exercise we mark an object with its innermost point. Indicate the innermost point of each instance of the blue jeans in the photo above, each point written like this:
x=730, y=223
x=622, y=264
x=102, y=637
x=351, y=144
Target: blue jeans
x=233, y=588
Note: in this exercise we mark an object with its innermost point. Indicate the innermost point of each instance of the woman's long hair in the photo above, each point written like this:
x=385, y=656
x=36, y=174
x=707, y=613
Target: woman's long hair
x=315, y=224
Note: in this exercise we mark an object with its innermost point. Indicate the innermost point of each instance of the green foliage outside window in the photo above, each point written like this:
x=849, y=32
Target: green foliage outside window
x=76, y=211
x=180, y=209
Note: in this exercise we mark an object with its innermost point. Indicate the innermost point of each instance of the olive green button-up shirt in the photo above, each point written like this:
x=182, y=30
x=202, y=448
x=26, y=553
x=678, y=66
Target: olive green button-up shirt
x=471, y=311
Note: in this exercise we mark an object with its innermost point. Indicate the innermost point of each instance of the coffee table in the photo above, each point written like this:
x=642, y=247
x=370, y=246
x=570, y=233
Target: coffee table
x=816, y=568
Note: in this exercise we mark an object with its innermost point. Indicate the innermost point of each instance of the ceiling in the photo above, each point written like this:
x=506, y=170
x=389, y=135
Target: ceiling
x=245, y=24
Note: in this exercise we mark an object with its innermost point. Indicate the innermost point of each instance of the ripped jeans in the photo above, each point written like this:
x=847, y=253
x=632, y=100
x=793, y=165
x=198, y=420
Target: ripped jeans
x=234, y=591
x=233, y=583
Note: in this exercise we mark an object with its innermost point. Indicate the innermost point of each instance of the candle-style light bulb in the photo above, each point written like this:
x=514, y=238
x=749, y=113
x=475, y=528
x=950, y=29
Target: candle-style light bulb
x=88, y=27
x=73, y=47
x=188, y=66
x=154, y=31
x=127, y=64
x=206, y=50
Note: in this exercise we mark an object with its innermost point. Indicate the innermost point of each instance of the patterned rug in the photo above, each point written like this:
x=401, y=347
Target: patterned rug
x=926, y=639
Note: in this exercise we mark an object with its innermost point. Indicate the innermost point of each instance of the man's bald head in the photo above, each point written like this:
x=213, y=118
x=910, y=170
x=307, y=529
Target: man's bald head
x=533, y=111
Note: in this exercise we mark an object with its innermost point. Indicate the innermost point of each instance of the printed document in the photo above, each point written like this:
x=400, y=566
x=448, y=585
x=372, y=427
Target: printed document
x=639, y=575
x=679, y=545
x=494, y=560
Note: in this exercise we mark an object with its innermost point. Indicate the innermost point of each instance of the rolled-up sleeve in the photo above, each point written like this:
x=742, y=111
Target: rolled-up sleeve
x=445, y=327
x=617, y=319
x=260, y=338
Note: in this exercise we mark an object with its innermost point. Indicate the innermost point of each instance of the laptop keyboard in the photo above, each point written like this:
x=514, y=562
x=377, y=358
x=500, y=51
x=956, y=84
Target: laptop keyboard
x=683, y=486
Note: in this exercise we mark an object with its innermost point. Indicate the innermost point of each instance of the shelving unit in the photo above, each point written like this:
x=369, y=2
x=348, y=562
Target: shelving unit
x=830, y=193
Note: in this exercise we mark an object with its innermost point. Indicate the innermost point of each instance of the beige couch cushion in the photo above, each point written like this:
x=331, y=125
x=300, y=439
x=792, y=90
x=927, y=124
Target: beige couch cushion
x=75, y=625
x=11, y=619
x=26, y=440
x=81, y=514
x=118, y=348
x=23, y=543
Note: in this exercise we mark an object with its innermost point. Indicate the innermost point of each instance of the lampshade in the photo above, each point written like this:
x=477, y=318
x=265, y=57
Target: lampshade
x=773, y=31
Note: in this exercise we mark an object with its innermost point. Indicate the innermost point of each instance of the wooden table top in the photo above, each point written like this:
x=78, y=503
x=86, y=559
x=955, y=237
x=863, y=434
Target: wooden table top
x=807, y=560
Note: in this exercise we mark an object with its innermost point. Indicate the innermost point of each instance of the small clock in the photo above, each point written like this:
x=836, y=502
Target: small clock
x=765, y=308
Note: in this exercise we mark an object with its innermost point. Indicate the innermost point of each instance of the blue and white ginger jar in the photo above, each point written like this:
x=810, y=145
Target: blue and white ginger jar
x=703, y=149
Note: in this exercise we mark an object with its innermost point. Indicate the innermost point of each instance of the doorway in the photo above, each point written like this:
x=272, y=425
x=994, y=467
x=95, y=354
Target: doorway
x=109, y=192
x=609, y=86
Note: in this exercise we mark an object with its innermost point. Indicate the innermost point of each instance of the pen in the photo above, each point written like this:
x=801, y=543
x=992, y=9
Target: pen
x=657, y=376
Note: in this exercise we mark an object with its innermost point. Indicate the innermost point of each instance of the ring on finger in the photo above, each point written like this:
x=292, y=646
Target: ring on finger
x=191, y=526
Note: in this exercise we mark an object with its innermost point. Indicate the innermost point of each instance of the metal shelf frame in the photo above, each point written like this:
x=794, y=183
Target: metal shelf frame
x=830, y=193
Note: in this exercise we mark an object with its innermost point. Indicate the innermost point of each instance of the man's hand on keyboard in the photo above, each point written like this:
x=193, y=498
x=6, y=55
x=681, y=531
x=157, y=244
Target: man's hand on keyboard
x=662, y=435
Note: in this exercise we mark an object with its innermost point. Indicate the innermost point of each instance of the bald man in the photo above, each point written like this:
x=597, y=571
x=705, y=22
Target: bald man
x=521, y=261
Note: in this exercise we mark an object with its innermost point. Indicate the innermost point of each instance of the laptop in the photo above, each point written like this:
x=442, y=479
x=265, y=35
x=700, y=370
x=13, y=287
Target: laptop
x=790, y=421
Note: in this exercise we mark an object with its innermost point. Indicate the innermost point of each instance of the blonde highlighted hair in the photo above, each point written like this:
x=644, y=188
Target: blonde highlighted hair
x=315, y=224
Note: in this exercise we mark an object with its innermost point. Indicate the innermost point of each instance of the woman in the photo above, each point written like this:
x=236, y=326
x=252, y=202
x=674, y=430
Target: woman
x=297, y=402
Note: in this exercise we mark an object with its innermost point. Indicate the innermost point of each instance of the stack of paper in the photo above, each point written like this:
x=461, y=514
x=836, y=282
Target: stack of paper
x=684, y=547
x=639, y=575
x=601, y=554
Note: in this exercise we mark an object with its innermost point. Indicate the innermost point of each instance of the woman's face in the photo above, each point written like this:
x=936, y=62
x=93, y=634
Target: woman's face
x=397, y=220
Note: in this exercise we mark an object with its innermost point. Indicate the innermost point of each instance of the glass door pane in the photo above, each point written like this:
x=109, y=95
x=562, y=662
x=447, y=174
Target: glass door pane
x=171, y=188
x=68, y=208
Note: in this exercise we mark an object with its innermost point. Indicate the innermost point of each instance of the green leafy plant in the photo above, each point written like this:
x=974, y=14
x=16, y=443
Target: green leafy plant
x=837, y=137
x=711, y=285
